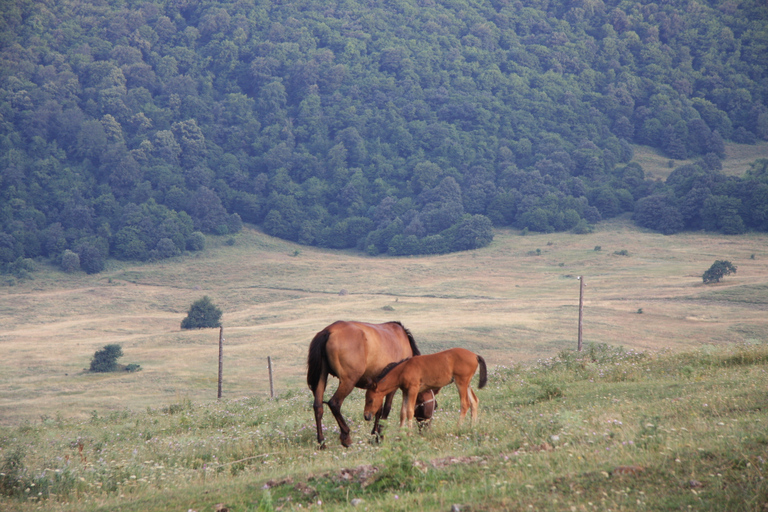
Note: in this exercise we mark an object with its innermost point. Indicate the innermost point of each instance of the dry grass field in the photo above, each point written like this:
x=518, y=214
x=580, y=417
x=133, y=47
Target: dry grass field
x=514, y=301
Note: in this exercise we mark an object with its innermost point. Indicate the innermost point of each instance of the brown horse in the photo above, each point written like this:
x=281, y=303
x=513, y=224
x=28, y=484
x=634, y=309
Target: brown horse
x=355, y=353
x=424, y=373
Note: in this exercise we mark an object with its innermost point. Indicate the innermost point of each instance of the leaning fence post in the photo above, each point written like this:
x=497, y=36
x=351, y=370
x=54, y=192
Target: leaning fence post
x=581, y=309
x=221, y=357
x=271, y=386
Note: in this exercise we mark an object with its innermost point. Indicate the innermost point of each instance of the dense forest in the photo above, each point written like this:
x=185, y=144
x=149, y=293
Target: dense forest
x=130, y=128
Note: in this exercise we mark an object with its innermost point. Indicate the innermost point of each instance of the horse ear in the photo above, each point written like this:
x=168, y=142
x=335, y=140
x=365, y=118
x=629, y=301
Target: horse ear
x=374, y=386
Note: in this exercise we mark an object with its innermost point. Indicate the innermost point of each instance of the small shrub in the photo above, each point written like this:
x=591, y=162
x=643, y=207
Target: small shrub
x=718, y=270
x=12, y=473
x=70, y=261
x=105, y=360
x=582, y=228
x=598, y=248
x=202, y=313
x=622, y=252
x=196, y=241
x=133, y=367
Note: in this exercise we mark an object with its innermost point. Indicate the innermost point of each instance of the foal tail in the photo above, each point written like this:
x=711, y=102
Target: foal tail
x=483, y=373
x=317, y=359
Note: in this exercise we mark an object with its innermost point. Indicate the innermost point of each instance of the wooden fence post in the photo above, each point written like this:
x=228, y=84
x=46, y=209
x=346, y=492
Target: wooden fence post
x=581, y=309
x=271, y=385
x=221, y=358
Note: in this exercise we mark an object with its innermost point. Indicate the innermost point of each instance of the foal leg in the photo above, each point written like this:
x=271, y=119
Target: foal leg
x=382, y=414
x=409, y=406
x=464, y=399
x=404, y=409
x=474, y=403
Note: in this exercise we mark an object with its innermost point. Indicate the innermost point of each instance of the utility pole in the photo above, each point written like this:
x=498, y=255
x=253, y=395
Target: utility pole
x=581, y=309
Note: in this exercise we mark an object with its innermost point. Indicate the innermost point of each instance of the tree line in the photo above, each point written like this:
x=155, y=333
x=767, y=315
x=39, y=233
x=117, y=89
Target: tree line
x=128, y=129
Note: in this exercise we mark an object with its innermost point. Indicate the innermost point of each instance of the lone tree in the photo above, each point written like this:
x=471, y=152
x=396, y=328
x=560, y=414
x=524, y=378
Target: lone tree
x=718, y=270
x=105, y=360
x=203, y=313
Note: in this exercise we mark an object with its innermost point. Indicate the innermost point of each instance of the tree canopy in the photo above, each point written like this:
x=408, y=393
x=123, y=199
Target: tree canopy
x=128, y=128
x=718, y=270
x=202, y=313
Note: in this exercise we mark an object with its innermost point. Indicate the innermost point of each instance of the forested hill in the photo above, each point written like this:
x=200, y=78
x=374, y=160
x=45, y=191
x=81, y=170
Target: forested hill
x=400, y=126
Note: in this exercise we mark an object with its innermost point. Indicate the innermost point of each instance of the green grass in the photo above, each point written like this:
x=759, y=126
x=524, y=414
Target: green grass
x=607, y=428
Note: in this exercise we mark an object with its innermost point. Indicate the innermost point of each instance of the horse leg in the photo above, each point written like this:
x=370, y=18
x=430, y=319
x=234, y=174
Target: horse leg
x=382, y=414
x=463, y=398
x=344, y=389
x=409, y=406
x=318, y=407
x=388, y=405
x=474, y=403
x=404, y=409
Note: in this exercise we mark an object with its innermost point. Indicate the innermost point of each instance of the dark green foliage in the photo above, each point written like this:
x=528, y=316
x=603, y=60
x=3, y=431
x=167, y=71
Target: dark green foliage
x=196, y=241
x=376, y=127
x=203, y=313
x=105, y=360
x=70, y=261
x=718, y=270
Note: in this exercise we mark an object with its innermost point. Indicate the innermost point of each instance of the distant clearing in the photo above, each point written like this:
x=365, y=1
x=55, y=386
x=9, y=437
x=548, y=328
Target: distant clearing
x=737, y=160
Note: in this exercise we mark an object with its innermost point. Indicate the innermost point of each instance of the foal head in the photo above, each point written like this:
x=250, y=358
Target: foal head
x=374, y=397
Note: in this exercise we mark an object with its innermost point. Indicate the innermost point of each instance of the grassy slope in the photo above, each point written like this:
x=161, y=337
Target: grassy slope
x=612, y=431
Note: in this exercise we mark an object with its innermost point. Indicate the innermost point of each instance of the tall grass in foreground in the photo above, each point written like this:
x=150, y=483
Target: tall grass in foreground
x=605, y=429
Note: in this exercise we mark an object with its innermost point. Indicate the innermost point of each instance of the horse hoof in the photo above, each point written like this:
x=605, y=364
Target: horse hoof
x=346, y=442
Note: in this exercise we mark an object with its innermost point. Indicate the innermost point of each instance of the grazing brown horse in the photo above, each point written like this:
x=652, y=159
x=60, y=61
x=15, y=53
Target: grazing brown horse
x=425, y=373
x=355, y=353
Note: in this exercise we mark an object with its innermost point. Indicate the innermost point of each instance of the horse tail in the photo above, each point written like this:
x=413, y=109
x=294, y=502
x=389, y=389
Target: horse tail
x=412, y=341
x=316, y=360
x=483, y=373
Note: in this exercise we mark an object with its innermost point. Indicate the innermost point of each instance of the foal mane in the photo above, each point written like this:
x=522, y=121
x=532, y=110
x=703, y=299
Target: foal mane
x=389, y=368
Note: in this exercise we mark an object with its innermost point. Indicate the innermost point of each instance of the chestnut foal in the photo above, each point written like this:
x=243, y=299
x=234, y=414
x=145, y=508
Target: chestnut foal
x=424, y=373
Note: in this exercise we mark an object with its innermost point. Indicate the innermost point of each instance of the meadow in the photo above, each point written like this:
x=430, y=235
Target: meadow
x=664, y=409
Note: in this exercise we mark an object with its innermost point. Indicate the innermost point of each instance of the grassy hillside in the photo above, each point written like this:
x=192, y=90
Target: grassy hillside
x=675, y=418
x=612, y=430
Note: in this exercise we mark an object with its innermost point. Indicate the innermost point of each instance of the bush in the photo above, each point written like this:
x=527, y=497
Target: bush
x=70, y=261
x=105, y=360
x=196, y=241
x=718, y=270
x=203, y=313
x=12, y=473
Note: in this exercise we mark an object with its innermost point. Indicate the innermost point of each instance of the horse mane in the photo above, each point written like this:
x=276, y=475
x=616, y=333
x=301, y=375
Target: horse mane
x=412, y=341
x=389, y=368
